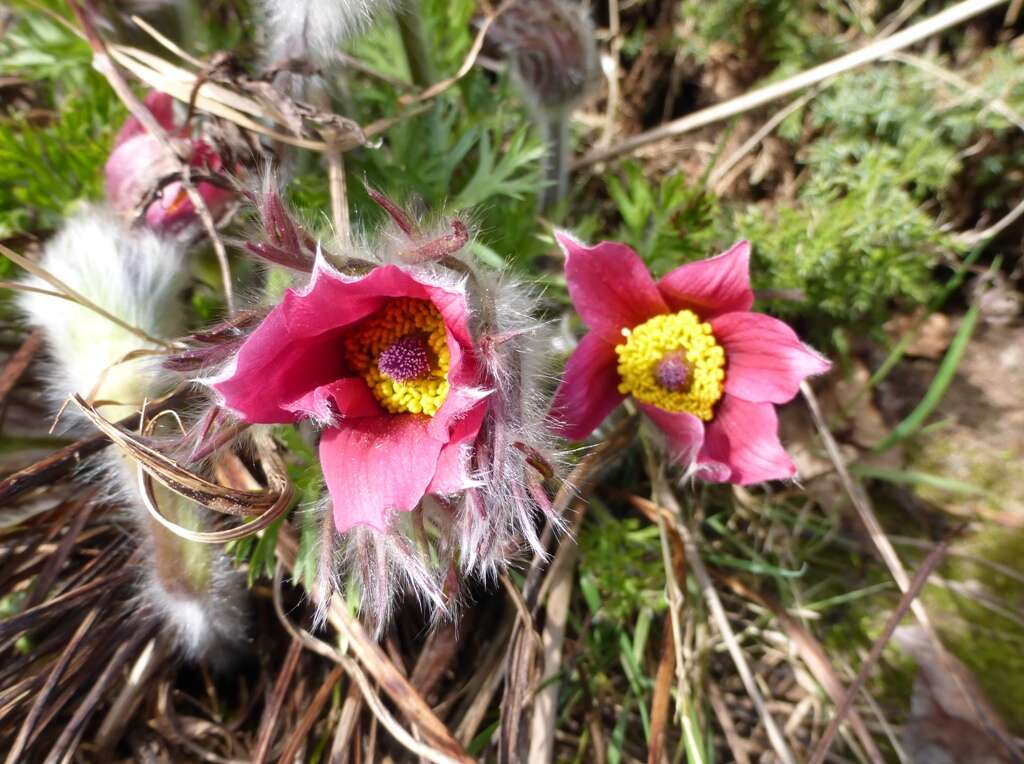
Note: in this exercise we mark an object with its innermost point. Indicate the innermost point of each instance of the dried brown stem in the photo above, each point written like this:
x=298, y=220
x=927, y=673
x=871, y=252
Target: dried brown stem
x=273, y=709
x=920, y=578
x=754, y=99
x=377, y=665
x=18, y=363
x=662, y=697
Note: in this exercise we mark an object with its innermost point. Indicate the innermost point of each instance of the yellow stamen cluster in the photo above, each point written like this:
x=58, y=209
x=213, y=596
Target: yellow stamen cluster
x=679, y=335
x=402, y=317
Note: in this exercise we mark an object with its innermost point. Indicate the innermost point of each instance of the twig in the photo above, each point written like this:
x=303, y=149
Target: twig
x=763, y=132
x=909, y=597
x=15, y=367
x=369, y=654
x=696, y=564
x=971, y=238
x=883, y=545
x=950, y=17
x=104, y=64
x=545, y=704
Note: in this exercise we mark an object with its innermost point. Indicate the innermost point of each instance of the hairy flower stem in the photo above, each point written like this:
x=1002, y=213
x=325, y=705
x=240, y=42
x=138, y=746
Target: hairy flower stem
x=414, y=40
x=554, y=126
x=189, y=587
x=181, y=567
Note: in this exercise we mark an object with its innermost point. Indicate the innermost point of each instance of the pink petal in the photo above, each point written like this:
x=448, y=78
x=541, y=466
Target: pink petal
x=684, y=432
x=589, y=389
x=744, y=437
x=132, y=168
x=765, y=360
x=347, y=398
x=454, y=472
x=174, y=210
x=130, y=173
x=375, y=466
x=710, y=287
x=297, y=347
x=609, y=286
x=160, y=105
x=272, y=373
x=460, y=400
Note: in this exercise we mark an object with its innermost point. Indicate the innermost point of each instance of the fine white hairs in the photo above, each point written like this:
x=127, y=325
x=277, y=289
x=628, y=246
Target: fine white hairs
x=136, y=276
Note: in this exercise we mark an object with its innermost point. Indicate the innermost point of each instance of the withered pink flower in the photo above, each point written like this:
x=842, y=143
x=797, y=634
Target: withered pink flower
x=139, y=163
x=698, y=363
x=386, y=363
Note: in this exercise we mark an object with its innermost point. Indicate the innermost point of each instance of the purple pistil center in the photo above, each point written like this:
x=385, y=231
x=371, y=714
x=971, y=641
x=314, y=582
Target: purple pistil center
x=673, y=372
x=406, y=360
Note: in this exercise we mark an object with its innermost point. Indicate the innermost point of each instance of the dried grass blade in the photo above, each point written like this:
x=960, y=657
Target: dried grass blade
x=281, y=688
x=662, y=696
x=291, y=748
x=377, y=664
x=67, y=741
x=214, y=99
x=920, y=578
x=545, y=704
x=67, y=600
x=707, y=588
x=813, y=656
x=18, y=363
x=54, y=562
x=178, y=479
x=30, y=725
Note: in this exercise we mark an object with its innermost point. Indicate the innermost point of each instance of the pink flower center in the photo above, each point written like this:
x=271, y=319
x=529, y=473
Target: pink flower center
x=406, y=360
x=673, y=372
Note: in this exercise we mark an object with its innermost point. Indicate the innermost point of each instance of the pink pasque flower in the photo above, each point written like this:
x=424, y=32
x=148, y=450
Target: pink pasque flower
x=139, y=161
x=698, y=363
x=386, y=363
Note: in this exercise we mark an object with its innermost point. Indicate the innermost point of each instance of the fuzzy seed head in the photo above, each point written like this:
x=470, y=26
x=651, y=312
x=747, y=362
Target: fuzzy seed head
x=550, y=46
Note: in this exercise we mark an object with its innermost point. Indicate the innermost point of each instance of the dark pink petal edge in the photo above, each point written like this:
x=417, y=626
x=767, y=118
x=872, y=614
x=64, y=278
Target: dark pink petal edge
x=609, y=286
x=710, y=287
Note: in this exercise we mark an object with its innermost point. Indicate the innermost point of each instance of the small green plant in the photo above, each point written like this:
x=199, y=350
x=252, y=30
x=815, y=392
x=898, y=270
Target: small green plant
x=54, y=140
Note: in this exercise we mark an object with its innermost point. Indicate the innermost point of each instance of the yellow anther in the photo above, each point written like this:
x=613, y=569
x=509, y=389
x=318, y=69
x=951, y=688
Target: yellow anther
x=400, y=318
x=673, y=361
